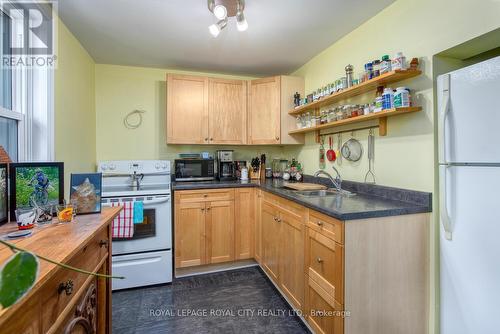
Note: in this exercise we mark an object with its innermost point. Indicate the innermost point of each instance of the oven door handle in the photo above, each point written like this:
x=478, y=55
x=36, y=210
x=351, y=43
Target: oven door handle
x=146, y=202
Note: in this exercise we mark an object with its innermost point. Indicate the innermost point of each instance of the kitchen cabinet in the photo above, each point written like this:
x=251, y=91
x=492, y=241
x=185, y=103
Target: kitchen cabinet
x=323, y=313
x=244, y=228
x=66, y=301
x=227, y=113
x=268, y=104
x=203, y=110
x=187, y=109
x=258, y=226
x=219, y=231
x=189, y=234
x=270, y=240
x=291, y=279
x=283, y=246
x=204, y=227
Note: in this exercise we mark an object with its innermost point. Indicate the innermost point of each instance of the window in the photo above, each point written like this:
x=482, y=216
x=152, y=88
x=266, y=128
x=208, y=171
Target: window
x=26, y=102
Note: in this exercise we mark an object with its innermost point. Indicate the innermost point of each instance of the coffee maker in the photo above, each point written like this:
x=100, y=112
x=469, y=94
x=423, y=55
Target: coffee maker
x=226, y=168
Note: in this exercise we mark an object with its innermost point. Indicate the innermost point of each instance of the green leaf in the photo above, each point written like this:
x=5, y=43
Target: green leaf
x=17, y=277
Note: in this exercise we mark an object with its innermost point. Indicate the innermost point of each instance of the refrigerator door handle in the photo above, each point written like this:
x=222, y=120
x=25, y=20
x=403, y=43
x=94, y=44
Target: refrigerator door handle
x=443, y=208
x=443, y=112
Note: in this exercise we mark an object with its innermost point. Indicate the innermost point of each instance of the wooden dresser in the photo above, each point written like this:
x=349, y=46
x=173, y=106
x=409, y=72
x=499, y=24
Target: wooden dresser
x=65, y=301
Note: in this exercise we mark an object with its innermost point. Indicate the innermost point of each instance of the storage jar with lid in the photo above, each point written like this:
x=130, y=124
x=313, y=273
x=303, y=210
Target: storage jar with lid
x=398, y=62
x=388, y=99
x=401, y=98
x=376, y=67
x=385, y=64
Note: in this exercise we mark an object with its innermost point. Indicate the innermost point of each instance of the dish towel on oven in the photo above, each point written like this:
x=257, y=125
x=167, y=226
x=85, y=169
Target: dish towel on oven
x=123, y=225
x=138, y=212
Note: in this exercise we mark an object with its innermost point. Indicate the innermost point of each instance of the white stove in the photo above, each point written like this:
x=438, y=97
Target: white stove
x=146, y=258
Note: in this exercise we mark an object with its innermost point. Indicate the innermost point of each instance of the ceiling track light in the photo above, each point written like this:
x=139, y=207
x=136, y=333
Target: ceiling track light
x=223, y=10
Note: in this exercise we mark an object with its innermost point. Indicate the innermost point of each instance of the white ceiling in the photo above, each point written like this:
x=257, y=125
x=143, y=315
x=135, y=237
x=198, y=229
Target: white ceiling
x=282, y=34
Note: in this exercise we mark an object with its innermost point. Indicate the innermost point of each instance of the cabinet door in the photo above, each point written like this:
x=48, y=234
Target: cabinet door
x=189, y=234
x=187, y=109
x=292, y=259
x=258, y=226
x=264, y=111
x=220, y=231
x=227, y=116
x=270, y=240
x=244, y=223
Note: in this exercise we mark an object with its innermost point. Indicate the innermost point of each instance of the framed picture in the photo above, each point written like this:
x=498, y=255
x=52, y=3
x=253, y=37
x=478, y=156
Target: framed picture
x=35, y=184
x=4, y=211
x=85, y=192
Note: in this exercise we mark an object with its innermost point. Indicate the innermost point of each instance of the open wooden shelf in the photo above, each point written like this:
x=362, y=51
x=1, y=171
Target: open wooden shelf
x=381, y=116
x=369, y=85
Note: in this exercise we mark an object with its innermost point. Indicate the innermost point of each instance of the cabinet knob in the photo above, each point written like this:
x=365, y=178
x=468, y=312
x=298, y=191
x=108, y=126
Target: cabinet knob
x=203, y=209
x=208, y=209
x=320, y=260
x=66, y=287
x=319, y=223
x=205, y=195
x=211, y=139
x=277, y=138
x=103, y=243
x=206, y=138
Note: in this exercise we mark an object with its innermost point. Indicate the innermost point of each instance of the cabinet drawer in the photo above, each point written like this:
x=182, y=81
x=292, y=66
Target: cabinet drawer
x=54, y=299
x=323, y=314
x=324, y=263
x=192, y=196
x=328, y=226
x=297, y=210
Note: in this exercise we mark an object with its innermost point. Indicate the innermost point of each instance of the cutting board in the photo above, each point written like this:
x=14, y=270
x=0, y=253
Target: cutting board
x=304, y=186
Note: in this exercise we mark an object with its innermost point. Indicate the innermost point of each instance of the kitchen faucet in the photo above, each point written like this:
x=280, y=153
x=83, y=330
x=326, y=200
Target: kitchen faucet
x=337, y=181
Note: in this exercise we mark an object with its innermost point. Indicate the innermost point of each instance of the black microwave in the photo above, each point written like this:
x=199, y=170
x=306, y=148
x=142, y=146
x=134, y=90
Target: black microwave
x=194, y=169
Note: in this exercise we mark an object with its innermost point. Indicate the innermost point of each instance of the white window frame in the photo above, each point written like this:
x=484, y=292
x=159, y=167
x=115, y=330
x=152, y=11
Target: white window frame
x=24, y=106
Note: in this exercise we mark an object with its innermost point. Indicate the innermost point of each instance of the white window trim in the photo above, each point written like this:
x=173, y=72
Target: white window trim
x=22, y=110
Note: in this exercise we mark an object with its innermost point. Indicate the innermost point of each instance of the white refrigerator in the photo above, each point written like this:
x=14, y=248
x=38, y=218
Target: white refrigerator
x=469, y=198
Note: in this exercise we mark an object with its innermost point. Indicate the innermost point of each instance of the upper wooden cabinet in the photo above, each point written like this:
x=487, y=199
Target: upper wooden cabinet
x=187, y=106
x=227, y=112
x=269, y=102
x=202, y=110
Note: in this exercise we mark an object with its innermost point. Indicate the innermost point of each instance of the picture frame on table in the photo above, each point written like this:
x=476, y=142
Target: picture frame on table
x=85, y=193
x=4, y=208
x=35, y=184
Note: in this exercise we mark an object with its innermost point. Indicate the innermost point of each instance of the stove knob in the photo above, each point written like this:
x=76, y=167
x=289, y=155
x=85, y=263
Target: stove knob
x=164, y=166
x=112, y=167
x=157, y=166
x=104, y=167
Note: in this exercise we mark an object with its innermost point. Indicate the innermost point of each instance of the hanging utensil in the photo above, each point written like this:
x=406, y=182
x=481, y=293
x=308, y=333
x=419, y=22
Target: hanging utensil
x=330, y=154
x=371, y=158
x=352, y=150
x=322, y=163
x=339, y=148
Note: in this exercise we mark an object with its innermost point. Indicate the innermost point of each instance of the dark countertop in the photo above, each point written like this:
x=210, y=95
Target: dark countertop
x=370, y=201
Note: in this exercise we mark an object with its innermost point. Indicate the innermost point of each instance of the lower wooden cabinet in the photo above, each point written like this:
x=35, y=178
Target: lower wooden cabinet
x=244, y=225
x=270, y=240
x=219, y=226
x=292, y=259
x=204, y=228
x=258, y=226
x=189, y=234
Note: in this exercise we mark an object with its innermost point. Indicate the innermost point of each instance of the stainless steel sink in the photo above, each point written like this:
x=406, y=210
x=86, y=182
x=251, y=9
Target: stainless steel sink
x=324, y=193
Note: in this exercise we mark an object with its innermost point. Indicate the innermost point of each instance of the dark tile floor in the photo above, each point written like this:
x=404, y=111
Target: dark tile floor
x=236, y=301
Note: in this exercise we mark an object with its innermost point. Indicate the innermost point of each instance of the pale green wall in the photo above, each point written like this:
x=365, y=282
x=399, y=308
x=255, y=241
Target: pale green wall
x=122, y=89
x=405, y=157
x=75, y=125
